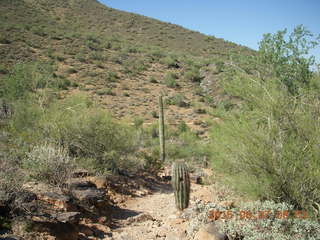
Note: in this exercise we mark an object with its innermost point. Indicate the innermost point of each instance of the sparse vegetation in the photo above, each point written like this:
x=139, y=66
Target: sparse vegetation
x=263, y=105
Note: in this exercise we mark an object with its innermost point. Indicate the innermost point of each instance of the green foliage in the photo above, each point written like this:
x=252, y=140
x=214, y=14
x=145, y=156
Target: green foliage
x=170, y=80
x=26, y=78
x=219, y=66
x=178, y=100
x=105, y=91
x=170, y=62
x=71, y=71
x=183, y=127
x=269, y=144
x=137, y=122
x=188, y=146
x=89, y=132
x=288, y=56
x=112, y=77
x=193, y=75
x=153, y=80
x=3, y=69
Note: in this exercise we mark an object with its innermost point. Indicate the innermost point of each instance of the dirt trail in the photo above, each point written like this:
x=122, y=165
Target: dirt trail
x=154, y=216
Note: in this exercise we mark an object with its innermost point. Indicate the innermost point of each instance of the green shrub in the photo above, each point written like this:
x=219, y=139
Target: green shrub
x=138, y=122
x=170, y=80
x=155, y=114
x=178, y=100
x=98, y=56
x=289, y=56
x=112, y=77
x=153, y=80
x=170, y=62
x=187, y=145
x=269, y=145
x=3, y=69
x=88, y=132
x=71, y=71
x=193, y=75
x=183, y=127
x=81, y=57
x=105, y=91
x=25, y=78
x=219, y=66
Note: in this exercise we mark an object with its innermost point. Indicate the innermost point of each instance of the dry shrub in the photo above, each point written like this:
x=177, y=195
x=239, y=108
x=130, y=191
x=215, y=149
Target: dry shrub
x=49, y=163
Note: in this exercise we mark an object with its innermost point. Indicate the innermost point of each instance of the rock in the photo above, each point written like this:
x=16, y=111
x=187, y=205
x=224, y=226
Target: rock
x=10, y=238
x=99, y=182
x=199, y=180
x=70, y=217
x=77, y=184
x=88, y=195
x=86, y=230
x=80, y=173
x=140, y=218
x=176, y=235
x=61, y=231
x=210, y=232
x=58, y=201
x=227, y=204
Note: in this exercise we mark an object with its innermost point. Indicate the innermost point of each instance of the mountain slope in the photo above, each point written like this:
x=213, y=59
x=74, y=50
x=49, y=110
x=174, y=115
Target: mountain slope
x=123, y=60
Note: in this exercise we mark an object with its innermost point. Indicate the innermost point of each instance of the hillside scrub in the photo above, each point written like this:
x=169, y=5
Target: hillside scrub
x=75, y=124
x=269, y=144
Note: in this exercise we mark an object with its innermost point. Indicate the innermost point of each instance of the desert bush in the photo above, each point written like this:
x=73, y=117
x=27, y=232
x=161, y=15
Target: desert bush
x=49, y=163
x=112, y=77
x=274, y=225
x=289, y=56
x=187, y=145
x=89, y=132
x=219, y=66
x=193, y=75
x=105, y=91
x=178, y=100
x=11, y=178
x=170, y=80
x=270, y=144
x=170, y=62
x=26, y=77
x=152, y=79
x=3, y=69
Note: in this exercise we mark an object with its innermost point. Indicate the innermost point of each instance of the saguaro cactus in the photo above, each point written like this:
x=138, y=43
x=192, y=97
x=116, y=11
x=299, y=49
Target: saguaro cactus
x=181, y=184
x=161, y=130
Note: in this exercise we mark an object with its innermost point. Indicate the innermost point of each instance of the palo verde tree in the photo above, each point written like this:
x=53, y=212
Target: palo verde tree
x=289, y=56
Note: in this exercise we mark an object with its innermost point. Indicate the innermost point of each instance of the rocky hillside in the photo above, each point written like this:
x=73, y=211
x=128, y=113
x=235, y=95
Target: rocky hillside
x=121, y=59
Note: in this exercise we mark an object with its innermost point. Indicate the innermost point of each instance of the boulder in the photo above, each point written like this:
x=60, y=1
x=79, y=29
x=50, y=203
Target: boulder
x=210, y=232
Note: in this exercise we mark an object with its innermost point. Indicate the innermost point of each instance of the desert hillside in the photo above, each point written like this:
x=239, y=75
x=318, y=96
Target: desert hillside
x=83, y=151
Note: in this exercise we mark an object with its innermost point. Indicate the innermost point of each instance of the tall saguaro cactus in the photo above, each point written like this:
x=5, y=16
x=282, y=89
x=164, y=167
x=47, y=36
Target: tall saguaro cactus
x=161, y=130
x=181, y=184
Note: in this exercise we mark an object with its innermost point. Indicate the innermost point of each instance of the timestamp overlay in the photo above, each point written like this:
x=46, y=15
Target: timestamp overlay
x=257, y=215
